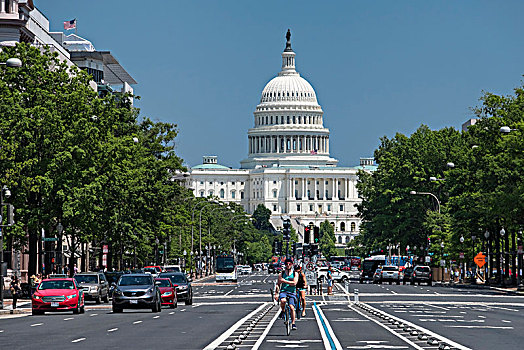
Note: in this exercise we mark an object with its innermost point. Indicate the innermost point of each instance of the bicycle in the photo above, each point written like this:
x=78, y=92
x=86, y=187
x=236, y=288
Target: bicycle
x=299, y=306
x=287, y=317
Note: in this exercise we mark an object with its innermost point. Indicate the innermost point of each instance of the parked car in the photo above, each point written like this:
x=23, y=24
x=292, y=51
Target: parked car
x=58, y=294
x=421, y=274
x=377, y=275
x=95, y=286
x=172, y=268
x=182, y=284
x=406, y=276
x=167, y=291
x=136, y=291
x=390, y=274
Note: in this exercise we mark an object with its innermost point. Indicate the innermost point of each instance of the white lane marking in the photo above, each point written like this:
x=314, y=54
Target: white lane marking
x=266, y=331
x=427, y=331
x=322, y=325
x=489, y=327
x=93, y=315
x=502, y=308
x=77, y=340
x=437, y=307
x=387, y=328
x=112, y=329
x=156, y=316
x=229, y=292
x=233, y=328
x=172, y=312
x=480, y=316
x=36, y=324
x=376, y=345
x=506, y=321
x=1, y=331
x=69, y=318
x=137, y=322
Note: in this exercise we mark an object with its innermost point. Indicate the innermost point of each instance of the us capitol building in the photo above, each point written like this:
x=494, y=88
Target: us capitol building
x=288, y=168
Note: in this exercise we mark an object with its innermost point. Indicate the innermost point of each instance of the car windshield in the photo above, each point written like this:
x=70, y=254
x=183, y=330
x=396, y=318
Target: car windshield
x=134, y=280
x=423, y=269
x=56, y=285
x=86, y=278
x=150, y=270
x=163, y=283
x=175, y=279
x=389, y=268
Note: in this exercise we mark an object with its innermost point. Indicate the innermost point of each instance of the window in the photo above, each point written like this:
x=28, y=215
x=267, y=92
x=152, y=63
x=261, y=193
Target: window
x=274, y=193
x=326, y=182
x=342, y=226
x=211, y=193
x=232, y=182
x=347, y=239
x=327, y=193
x=242, y=183
x=201, y=193
x=296, y=193
x=274, y=207
x=353, y=226
x=222, y=183
x=342, y=207
x=241, y=194
x=311, y=207
x=309, y=193
x=296, y=182
x=298, y=207
x=317, y=183
x=210, y=182
x=329, y=207
x=221, y=193
x=274, y=182
x=233, y=194
x=201, y=182
x=340, y=239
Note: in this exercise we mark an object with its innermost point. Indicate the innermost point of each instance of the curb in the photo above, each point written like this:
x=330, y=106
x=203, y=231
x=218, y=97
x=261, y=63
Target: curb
x=478, y=286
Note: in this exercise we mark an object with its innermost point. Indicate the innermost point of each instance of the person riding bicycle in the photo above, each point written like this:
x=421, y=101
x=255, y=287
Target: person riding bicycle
x=301, y=287
x=287, y=280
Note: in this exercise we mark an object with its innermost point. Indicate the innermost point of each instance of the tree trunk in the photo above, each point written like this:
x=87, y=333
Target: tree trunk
x=33, y=253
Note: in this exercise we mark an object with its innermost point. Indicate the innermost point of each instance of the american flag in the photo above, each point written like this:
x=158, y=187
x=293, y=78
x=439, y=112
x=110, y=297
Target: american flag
x=70, y=24
x=314, y=151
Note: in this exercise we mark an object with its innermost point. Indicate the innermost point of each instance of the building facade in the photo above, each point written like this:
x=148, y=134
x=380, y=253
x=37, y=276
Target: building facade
x=288, y=168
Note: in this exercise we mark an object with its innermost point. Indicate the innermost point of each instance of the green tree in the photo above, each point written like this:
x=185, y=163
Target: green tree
x=327, y=240
x=261, y=217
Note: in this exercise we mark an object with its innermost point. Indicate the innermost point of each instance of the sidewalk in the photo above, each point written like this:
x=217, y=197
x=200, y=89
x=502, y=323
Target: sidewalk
x=22, y=306
x=509, y=290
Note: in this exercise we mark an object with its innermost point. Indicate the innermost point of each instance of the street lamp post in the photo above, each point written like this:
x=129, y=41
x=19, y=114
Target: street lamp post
x=490, y=262
x=429, y=194
x=461, y=256
x=442, y=259
x=502, y=260
x=520, y=280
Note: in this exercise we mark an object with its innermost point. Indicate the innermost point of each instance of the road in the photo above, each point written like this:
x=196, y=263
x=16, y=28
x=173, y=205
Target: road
x=386, y=317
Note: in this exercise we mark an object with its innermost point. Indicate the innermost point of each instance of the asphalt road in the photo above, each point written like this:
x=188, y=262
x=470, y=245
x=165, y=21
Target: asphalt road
x=387, y=317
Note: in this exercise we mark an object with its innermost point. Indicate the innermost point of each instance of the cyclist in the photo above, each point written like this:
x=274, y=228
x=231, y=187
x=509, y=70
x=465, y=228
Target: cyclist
x=286, y=284
x=301, y=287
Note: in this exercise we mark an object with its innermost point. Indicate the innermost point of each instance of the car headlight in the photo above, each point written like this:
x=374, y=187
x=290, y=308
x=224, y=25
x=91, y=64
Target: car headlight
x=182, y=287
x=117, y=292
x=165, y=294
x=150, y=290
x=37, y=297
x=71, y=296
x=95, y=288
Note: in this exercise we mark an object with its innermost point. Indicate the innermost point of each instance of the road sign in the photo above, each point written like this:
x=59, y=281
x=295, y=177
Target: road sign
x=480, y=259
x=442, y=263
x=49, y=239
x=310, y=266
x=104, y=260
x=311, y=277
x=105, y=249
x=461, y=255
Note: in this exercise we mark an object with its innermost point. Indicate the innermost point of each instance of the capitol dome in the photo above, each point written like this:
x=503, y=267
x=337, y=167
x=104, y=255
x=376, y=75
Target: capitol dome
x=288, y=128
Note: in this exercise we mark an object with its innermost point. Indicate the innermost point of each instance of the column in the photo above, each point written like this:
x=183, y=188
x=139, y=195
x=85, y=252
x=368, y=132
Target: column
x=335, y=188
x=315, y=188
x=304, y=187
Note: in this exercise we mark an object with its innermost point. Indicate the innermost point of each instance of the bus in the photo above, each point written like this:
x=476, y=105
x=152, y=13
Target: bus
x=370, y=265
x=226, y=268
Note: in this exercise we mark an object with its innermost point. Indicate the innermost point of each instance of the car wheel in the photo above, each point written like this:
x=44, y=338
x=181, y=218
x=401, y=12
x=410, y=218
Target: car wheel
x=404, y=282
x=106, y=298
x=412, y=283
x=98, y=299
x=76, y=311
x=83, y=309
x=430, y=283
x=398, y=282
x=360, y=281
x=172, y=306
x=390, y=283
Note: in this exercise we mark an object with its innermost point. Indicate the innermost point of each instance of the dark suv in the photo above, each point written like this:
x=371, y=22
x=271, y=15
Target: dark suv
x=184, y=291
x=136, y=291
x=421, y=274
x=95, y=286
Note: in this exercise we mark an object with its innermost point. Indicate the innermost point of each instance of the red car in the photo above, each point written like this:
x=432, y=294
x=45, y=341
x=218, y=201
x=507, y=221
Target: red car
x=58, y=294
x=167, y=291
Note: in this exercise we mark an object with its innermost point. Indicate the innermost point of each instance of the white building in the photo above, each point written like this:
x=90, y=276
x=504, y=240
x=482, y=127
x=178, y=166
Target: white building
x=288, y=168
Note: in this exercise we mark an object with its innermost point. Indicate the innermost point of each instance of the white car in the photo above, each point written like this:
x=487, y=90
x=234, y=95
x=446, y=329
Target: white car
x=338, y=275
x=244, y=269
x=390, y=274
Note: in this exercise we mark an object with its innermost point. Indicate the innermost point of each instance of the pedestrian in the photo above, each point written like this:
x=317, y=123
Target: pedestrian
x=329, y=277
x=15, y=290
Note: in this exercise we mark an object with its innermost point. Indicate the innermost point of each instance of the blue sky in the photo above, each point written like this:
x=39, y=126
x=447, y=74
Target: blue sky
x=378, y=67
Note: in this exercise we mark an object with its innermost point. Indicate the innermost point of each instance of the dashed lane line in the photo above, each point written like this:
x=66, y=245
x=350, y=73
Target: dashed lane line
x=36, y=324
x=69, y=318
x=137, y=322
x=112, y=330
x=78, y=340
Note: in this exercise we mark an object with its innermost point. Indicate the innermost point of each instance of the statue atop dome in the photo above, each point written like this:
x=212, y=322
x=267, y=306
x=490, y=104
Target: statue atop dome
x=288, y=43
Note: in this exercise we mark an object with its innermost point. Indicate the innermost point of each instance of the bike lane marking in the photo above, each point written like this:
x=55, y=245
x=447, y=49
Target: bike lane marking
x=266, y=331
x=328, y=336
x=233, y=328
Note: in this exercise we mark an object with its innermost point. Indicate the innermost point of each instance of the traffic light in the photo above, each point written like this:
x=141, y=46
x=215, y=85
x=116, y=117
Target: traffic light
x=316, y=234
x=305, y=250
x=306, y=234
x=279, y=247
x=286, y=232
x=314, y=249
x=294, y=248
x=10, y=214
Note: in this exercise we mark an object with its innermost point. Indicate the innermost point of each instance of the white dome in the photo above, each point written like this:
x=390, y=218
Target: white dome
x=288, y=88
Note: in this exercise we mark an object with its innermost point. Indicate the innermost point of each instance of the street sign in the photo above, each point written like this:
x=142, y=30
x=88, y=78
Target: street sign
x=480, y=259
x=105, y=249
x=461, y=255
x=442, y=263
x=49, y=239
x=428, y=259
x=310, y=266
x=311, y=277
x=104, y=260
